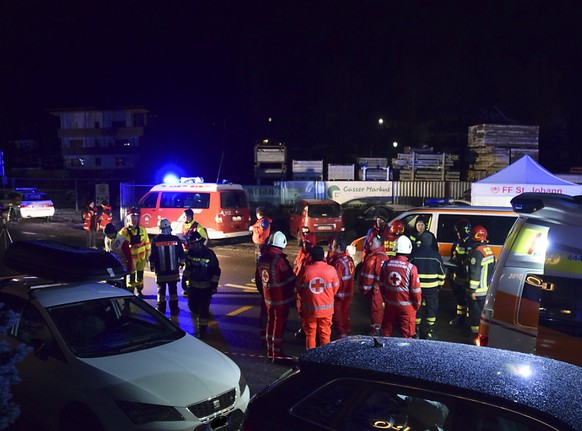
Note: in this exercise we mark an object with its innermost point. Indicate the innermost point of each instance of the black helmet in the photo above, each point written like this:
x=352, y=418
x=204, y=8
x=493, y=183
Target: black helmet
x=463, y=228
x=110, y=229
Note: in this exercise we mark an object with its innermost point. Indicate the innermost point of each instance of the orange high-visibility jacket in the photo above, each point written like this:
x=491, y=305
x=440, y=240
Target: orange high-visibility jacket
x=316, y=286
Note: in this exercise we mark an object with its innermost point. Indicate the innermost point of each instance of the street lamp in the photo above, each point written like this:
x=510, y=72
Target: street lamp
x=395, y=144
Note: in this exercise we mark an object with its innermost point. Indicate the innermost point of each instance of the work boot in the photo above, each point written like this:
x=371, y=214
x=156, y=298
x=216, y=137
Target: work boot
x=430, y=335
x=458, y=321
x=161, y=307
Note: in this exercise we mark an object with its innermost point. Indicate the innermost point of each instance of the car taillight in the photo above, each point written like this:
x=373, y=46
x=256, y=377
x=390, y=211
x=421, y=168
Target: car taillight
x=482, y=340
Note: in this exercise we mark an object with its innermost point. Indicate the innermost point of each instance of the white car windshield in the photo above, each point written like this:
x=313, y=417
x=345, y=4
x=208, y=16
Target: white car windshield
x=111, y=326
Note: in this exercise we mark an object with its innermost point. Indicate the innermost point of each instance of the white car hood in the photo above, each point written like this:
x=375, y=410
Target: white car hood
x=179, y=373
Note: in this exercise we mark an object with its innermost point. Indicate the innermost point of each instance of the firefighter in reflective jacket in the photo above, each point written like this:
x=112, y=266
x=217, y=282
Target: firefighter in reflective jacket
x=431, y=273
x=344, y=265
x=275, y=278
x=166, y=259
x=119, y=246
x=317, y=285
x=481, y=267
x=401, y=290
x=458, y=277
x=200, y=277
x=139, y=243
x=369, y=282
x=193, y=226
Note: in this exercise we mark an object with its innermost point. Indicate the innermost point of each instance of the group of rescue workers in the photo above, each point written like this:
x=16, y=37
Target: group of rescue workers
x=167, y=254
x=401, y=275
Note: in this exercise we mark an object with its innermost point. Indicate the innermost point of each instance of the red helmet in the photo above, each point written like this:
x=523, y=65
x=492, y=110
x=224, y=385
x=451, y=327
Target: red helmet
x=479, y=234
x=397, y=227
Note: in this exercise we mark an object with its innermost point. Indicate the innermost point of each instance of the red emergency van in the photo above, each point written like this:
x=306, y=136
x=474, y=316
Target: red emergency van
x=223, y=209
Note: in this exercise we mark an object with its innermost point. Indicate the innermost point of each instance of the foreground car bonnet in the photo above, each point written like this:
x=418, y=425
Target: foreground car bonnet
x=499, y=374
x=186, y=371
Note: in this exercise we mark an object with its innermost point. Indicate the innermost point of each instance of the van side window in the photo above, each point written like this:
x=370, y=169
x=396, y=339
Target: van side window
x=149, y=201
x=233, y=199
x=497, y=226
x=197, y=200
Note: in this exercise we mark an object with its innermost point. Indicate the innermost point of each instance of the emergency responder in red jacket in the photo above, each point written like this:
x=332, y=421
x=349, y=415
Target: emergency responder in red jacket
x=105, y=213
x=317, y=285
x=458, y=276
x=369, y=282
x=200, y=278
x=396, y=229
x=275, y=278
x=344, y=265
x=261, y=231
x=431, y=273
x=165, y=260
x=303, y=256
x=261, y=234
x=380, y=227
x=308, y=241
x=91, y=224
x=401, y=291
x=481, y=267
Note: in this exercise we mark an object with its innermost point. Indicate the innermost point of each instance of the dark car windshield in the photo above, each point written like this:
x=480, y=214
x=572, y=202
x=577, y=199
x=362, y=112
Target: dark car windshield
x=111, y=326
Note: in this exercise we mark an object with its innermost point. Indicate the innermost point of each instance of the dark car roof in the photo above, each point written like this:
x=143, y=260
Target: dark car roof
x=547, y=385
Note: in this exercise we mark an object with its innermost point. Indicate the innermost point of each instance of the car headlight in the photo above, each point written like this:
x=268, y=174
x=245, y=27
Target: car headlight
x=242, y=384
x=142, y=413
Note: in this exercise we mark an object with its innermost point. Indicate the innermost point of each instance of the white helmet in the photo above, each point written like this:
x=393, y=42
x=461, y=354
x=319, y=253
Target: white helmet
x=403, y=245
x=164, y=223
x=278, y=239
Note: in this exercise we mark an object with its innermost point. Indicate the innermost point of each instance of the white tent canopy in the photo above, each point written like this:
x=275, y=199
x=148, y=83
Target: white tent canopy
x=525, y=175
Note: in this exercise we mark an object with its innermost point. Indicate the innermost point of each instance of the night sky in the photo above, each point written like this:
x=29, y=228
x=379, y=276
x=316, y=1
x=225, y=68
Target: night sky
x=212, y=73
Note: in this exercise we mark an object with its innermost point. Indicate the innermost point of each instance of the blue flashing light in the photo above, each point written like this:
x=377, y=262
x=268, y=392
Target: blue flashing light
x=171, y=178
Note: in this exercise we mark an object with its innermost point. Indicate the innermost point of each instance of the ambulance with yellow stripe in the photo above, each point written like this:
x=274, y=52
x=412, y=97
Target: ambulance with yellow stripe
x=534, y=302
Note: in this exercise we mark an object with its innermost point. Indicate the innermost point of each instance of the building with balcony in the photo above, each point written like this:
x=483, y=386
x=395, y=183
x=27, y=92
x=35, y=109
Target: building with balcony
x=101, y=139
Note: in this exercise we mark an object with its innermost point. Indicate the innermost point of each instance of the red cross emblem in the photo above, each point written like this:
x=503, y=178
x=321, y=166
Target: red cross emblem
x=265, y=276
x=394, y=278
x=317, y=285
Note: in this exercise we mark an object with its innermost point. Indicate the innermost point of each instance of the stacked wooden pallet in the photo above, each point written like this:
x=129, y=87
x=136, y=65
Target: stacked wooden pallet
x=493, y=147
x=426, y=167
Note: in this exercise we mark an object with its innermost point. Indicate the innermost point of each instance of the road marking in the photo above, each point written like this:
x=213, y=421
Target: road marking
x=239, y=310
x=247, y=288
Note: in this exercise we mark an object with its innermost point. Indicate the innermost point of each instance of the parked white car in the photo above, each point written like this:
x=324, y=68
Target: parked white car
x=105, y=360
x=30, y=203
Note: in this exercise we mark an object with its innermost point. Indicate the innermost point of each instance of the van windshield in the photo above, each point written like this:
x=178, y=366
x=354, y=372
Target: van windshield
x=233, y=199
x=324, y=211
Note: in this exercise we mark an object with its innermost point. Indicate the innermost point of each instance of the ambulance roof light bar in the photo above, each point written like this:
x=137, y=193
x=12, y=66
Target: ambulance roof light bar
x=191, y=180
